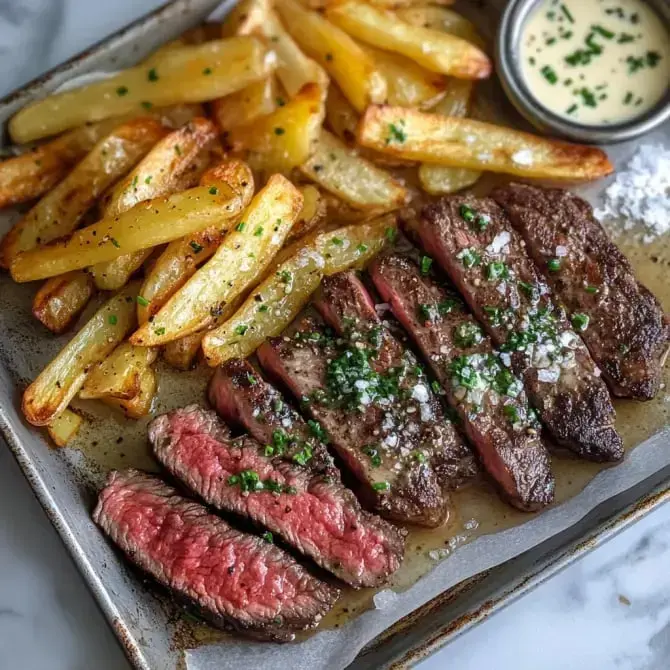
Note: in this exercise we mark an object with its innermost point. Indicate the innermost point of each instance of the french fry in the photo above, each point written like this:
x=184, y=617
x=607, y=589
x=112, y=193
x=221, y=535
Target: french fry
x=277, y=301
x=294, y=69
x=476, y=145
x=408, y=84
x=226, y=191
x=247, y=105
x=64, y=427
x=386, y=4
x=212, y=70
x=181, y=353
x=437, y=179
x=58, y=213
x=312, y=214
x=441, y=19
x=158, y=173
x=60, y=299
x=139, y=405
x=118, y=375
x=433, y=50
x=247, y=18
x=338, y=211
x=353, y=70
x=338, y=169
x=284, y=139
x=174, y=267
x=60, y=381
x=238, y=262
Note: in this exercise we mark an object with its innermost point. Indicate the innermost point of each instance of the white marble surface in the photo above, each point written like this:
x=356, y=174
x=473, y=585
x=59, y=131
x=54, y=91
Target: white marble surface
x=609, y=610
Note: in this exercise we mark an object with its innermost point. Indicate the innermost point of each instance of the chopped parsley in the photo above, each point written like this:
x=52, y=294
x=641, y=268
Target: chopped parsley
x=147, y=105
x=115, y=242
x=267, y=536
x=279, y=130
x=258, y=232
x=112, y=319
x=213, y=190
x=467, y=334
x=497, y=270
x=591, y=289
x=317, y=430
x=240, y=226
x=381, y=486
x=390, y=234
x=207, y=71
x=303, y=456
x=554, y=264
x=241, y=329
x=373, y=454
x=197, y=248
x=426, y=262
x=396, y=133
x=469, y=257
x=152, y=75
x=580, y=322
x=142, y=301
x=121, y=91
x=159, y=331
x=362, y=248
x=337, y=241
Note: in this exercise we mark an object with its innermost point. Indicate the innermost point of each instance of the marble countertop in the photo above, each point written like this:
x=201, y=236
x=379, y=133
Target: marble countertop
x=608, y=610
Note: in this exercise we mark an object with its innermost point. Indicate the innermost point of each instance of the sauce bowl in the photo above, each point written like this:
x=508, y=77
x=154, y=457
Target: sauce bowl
x=508, y=65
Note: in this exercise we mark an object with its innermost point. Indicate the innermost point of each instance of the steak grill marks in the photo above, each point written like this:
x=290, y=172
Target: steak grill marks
x=489, y=399
x=620, y=321
x=228, y=576
x=474, y=243
x=376, y=405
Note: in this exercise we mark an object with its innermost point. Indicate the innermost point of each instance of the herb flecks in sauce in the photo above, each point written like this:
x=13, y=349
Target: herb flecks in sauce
x=596, y=49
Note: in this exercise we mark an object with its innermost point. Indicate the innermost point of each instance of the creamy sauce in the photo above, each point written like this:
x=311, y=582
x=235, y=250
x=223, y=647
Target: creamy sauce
x=595, y=62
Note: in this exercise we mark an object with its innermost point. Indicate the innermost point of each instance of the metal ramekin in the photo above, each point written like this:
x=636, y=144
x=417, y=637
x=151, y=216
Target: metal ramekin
x=509, y=71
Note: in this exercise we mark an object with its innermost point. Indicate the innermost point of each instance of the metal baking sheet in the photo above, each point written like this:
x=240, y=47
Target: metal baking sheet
x=474, y=581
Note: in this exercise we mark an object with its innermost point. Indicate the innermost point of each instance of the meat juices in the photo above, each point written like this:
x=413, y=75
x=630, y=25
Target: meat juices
x=230, y=577
x=474, y=242
x=312, y=512
x=621, y=322
x=490, y=400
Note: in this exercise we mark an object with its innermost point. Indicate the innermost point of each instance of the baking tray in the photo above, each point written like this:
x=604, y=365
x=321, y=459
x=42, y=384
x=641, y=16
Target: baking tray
x=144, y=622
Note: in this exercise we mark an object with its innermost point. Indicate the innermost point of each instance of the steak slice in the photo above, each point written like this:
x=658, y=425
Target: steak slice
x=490, y=400
x=243, y=398
x=473, y=241
x=312, y=512
x=228, y=576
x=404, y=458
x=620, y=321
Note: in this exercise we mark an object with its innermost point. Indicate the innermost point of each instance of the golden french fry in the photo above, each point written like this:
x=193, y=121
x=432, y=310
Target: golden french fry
x=339, y=211
x=338, y=169
x=237, y=264
x=353, y=70
x=441, y=19
x=312, y=214
x=438, y=179
x=386, y=4
x=118, y=375
x=181, y=353
x=64, y=427
x=246, y=18
x=284, y=139
x=139, y=405
x=277, y=301
x=408, y=84
x=60, y=299
x=158, y=173
x=58, y=213
x=212, y=70
x=61, y=380
x=433, y=50
x=174, y=267
x=247, y=105
x=226, y=191
x=476, y=145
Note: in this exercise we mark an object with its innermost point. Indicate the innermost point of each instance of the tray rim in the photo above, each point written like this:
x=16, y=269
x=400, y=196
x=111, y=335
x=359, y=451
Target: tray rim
x=418, y=651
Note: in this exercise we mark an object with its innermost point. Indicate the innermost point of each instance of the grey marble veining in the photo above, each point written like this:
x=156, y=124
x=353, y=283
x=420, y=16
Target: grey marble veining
x=610, y=610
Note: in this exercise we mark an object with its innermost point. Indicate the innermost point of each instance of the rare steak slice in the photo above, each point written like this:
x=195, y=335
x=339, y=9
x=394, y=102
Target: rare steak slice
x=474, y=242
x=381, y=416
x=621, y=322
x=489, y=398
x=311, y=511
x=230, y=577
x=244, y=399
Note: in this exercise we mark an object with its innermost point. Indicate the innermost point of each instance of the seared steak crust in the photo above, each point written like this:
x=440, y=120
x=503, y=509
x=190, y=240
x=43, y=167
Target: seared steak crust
x=490, y=400
x=625, y=330
x=473, y=241
x=243, y=398
x=312, y=512
x=232, y=578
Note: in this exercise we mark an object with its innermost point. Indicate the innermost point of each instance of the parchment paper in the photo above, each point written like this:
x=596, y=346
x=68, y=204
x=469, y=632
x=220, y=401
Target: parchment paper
x=334, y=649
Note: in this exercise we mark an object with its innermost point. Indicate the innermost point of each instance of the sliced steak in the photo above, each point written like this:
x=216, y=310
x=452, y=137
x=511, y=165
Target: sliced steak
x=243, y=398
x=620, y=321
x=489, y=398
x=312, y=512
x=380, y=415
x=228, y=576
x=474, y=242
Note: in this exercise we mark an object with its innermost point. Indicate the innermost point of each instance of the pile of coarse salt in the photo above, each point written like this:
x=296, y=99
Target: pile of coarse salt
x=640, y=194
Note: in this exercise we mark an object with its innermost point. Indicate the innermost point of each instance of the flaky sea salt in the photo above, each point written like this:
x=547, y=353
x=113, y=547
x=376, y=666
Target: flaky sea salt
x=640, y=194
